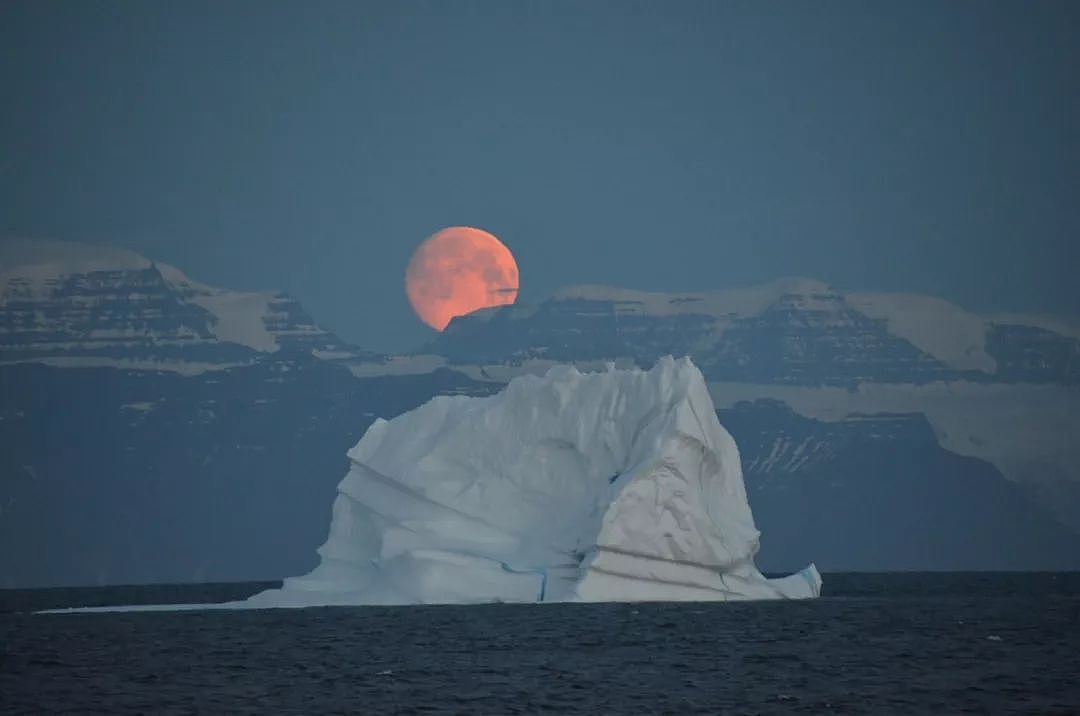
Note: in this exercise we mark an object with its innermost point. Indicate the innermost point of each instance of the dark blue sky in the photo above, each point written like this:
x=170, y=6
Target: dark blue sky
x=930, y=147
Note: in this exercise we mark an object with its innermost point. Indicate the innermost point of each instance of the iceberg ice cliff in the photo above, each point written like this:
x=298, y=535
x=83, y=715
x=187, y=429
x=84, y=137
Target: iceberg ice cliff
x=612, y=486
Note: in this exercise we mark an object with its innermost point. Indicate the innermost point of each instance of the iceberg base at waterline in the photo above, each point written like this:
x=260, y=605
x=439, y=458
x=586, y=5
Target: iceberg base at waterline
x=589, y=487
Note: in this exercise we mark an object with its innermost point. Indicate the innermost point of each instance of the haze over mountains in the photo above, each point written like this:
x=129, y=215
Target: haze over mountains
x=157, y=429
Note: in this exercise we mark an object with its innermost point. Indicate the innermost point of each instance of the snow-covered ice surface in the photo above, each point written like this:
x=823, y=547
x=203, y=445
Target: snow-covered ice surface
x=610, y=486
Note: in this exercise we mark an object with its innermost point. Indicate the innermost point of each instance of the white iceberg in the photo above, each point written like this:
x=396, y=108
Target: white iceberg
x=612, y=486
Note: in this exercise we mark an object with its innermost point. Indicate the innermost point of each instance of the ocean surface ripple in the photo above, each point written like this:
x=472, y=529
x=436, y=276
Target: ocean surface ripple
x=890, y=643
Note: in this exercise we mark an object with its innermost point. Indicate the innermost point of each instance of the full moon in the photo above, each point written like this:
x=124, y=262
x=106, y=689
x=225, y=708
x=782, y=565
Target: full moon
x=458, y=270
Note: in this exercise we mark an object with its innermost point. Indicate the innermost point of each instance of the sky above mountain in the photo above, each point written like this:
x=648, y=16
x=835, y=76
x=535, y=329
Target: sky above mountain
x=923, y=146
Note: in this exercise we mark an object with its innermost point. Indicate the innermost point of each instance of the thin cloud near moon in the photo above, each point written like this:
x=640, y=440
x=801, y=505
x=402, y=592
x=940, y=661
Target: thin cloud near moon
x=458, y=270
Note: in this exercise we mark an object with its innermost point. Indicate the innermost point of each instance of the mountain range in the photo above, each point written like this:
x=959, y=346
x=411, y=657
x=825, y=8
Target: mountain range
x=157, y=429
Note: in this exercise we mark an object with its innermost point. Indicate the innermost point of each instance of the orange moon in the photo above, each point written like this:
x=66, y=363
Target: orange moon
x=458, y=270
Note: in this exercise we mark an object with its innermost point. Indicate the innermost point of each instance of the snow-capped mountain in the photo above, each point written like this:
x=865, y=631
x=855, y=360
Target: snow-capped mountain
x=68, y=304
x=153, y=428
x=791, y=332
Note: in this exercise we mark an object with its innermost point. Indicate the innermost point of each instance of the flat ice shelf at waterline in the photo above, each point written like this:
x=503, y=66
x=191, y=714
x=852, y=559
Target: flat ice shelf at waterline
x=613, y=486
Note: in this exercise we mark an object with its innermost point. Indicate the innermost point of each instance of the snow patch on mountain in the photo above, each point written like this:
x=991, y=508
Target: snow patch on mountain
x=185, y=367
x=240, y=318
x=954, y=336
x=727, y=303
x=417, y=364
x=32, y=267
x=54, y=258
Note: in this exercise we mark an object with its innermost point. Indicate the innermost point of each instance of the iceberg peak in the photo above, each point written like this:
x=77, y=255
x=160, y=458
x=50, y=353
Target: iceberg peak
x=618, y=485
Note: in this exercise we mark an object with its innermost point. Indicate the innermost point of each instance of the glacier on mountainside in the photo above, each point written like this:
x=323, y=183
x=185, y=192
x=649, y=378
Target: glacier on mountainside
x=611, y=486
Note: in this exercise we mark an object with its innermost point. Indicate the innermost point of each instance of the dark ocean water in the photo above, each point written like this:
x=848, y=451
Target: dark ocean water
x=888, y=643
